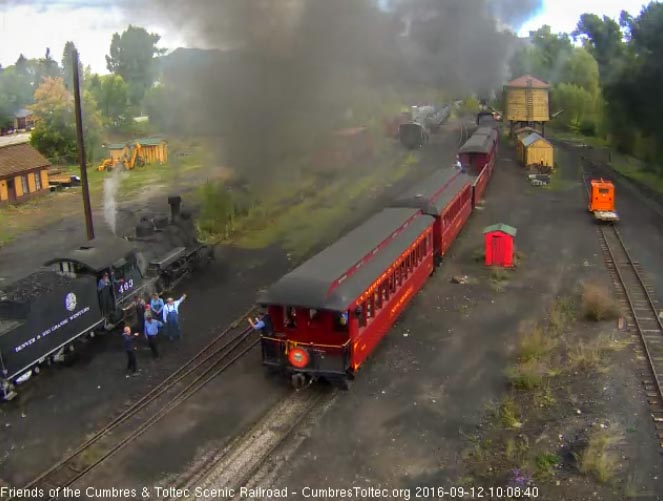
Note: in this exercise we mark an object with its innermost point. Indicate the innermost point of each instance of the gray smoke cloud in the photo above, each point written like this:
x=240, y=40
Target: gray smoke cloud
x=287, y=70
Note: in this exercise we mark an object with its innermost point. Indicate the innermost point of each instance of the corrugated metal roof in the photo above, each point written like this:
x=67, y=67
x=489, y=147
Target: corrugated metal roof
x=534, y=137
x=17, y=158
x=150, y=141
x=309, y=285
x=504, y=228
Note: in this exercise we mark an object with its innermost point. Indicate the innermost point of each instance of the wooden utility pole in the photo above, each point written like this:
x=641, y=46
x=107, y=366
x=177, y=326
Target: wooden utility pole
x=81, y=150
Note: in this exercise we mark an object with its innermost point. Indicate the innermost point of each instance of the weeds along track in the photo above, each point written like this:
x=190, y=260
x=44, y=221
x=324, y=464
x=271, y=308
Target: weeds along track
x=224, y=350
x=642, y=307
x=638, y=299
x=244, y=458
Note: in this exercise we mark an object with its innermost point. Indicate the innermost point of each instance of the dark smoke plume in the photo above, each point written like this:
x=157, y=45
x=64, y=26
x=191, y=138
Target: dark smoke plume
x=288, y=71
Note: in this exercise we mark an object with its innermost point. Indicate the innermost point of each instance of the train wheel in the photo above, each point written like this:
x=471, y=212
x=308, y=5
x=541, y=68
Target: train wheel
x=298, y=380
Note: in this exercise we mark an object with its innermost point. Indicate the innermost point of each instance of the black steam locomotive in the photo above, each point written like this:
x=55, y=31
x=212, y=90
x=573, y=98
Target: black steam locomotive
x=425, y=120
x=43, y=314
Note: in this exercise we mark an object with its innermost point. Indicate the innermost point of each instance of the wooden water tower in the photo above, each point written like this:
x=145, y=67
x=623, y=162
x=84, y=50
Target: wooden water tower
x=526, y=102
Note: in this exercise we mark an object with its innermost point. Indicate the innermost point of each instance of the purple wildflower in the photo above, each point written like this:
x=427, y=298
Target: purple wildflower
x=520, y=479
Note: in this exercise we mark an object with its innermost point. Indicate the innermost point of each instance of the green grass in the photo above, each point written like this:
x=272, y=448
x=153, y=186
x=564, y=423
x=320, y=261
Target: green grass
x=298, y=213
x=576, y=137
x=634, y=169
x=5, y=235
x=509, y=414
x=545, y=464
x=600, y=458
x=627, y=165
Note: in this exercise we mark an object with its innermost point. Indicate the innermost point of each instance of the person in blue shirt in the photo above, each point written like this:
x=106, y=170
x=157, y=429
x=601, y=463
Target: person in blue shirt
x=171, y=317
x=152, y=327
x=156, y=305
x=128, y=342
x=262, y=324
x=104, y=282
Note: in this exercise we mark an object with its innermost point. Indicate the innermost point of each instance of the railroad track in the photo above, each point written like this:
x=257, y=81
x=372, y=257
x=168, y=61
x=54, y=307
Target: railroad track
x=217, y=356
x=245, y=458
x=643, y=310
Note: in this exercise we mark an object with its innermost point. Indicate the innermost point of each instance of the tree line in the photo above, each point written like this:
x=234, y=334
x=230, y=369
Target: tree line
x=608, y=85
x=109, y=102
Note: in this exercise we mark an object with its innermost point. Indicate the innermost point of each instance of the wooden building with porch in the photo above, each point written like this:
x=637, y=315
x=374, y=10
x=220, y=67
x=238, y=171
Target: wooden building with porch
x=23, y=173
x=24, y=119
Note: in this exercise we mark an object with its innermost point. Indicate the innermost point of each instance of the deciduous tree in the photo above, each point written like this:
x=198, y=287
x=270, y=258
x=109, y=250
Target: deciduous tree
x=132, y=57
x=55, y=132
x=111, y=94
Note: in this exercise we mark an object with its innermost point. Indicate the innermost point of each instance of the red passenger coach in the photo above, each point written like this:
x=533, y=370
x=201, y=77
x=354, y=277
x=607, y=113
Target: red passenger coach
x=478, y=154
x=329, y=313
x=447, y=196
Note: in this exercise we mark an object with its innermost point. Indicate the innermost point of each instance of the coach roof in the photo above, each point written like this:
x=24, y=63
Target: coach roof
x=332, y=276
x=481, y=141
x=433, y=193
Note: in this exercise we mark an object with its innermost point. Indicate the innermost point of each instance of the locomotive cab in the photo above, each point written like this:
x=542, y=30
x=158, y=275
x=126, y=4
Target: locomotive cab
x=115, y=257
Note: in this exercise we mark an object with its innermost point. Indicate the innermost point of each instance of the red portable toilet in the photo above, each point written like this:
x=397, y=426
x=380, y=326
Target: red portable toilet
x=499, y=243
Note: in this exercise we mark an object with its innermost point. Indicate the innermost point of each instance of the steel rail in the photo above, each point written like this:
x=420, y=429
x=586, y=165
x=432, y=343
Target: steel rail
x=628, y=295
x=205, y=355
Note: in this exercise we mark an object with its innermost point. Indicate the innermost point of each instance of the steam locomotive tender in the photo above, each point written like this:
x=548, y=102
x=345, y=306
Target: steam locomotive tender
x=43, y=314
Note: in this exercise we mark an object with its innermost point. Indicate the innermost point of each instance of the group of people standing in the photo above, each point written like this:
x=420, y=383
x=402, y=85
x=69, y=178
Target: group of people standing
x=152, y=317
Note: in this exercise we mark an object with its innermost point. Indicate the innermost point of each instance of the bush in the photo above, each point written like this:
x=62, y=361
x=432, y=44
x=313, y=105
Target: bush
x=598, y=458
x=526, y=375
x=534, y=344
x=587, y=128
x=597, y=304
x=216, y=212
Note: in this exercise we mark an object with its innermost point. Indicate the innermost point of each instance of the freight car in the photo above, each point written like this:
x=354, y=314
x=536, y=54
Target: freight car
x=328, y=314
x=45, y=313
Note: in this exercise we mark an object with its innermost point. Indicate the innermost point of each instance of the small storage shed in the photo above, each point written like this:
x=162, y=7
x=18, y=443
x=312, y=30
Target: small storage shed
x=521, y=134
x=499, y=245
x=537, y=150
x=154, y=150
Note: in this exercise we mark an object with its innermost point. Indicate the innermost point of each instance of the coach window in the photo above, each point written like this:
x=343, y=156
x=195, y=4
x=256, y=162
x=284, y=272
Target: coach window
x=384, y=291
x=362, y=314
x=341, y=321
x=290, y=317
x=369, y=307
x=392, y=282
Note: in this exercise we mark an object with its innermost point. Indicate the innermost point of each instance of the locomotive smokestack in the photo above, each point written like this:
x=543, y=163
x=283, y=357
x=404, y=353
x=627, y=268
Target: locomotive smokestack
x=175, y=202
